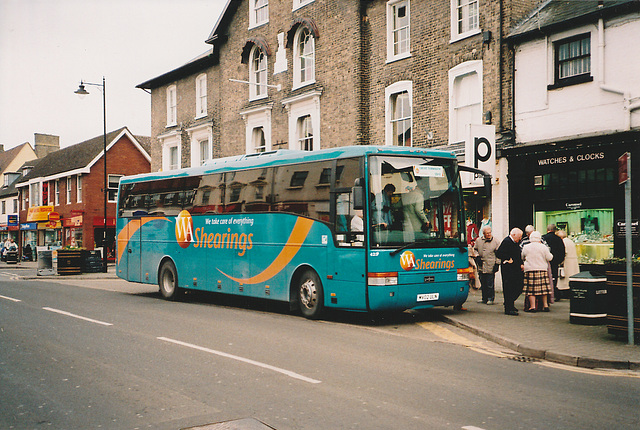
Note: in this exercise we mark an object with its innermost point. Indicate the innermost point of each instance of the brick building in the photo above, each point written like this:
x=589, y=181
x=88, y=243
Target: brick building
x=61, y=198
x=327, y=73
x=10, y=163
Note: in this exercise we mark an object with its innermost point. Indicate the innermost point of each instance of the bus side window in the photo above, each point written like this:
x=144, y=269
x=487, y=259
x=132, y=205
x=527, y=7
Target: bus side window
x=298, y=189
x=349, y=223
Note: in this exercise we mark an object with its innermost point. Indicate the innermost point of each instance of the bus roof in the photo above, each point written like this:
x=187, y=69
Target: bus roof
x=287, y=156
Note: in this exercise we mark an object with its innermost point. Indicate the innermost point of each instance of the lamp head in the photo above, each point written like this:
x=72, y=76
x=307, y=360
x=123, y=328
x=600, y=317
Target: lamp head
x=81, y=91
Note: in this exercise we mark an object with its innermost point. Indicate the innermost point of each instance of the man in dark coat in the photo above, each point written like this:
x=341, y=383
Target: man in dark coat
x=556, y=245
x=512, y=276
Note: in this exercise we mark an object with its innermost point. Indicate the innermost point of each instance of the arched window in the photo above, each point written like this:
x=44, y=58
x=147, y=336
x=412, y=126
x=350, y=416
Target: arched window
x=258, y=73
x=304, y=58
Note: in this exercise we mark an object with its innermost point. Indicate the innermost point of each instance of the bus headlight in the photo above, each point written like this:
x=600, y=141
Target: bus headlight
x=383, y=278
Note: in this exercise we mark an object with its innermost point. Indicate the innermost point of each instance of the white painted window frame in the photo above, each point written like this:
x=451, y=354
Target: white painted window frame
x=79, y=189
x=201, y=95
x=258, y=117
x=196, y=136
x=297, y=4
x=253, y=14
x=455, y=34
x=299, y=106
x=297, y=69
x=258, y=89
x=392, y=6
x=460, y=71
x=172, y=106
x=389, y=93
x=170, y=141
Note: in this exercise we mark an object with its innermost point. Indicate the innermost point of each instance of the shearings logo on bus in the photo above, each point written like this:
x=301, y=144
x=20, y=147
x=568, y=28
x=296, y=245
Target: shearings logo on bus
x=408, y=261
x=200, y=238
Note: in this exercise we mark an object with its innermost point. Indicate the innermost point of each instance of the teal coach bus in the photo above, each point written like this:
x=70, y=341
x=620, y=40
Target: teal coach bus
x=361, y=228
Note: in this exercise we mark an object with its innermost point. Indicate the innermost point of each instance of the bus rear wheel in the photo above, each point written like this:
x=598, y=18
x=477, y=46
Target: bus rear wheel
x=310, y=295
x=168, y=281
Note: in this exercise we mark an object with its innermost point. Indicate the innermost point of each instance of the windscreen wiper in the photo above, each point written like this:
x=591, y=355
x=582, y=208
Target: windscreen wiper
x=409, y=245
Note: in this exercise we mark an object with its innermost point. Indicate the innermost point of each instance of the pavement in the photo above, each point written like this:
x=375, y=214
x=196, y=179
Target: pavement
x=544, y=335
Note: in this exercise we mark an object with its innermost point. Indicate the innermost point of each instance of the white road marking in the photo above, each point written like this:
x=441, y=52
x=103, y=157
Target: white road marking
x=10, y=298
x=472, y=428
x=58, y=311
x=244, y=360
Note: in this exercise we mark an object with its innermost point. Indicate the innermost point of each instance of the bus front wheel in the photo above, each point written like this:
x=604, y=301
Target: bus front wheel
x=168, y=281
x=310, y=295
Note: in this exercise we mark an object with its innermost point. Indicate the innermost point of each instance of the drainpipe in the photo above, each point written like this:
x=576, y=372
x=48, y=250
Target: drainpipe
x=629, y=107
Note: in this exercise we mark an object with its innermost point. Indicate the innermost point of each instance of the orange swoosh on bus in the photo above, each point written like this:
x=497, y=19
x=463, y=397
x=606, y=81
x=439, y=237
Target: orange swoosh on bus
x=294, y=243
x=130, y=229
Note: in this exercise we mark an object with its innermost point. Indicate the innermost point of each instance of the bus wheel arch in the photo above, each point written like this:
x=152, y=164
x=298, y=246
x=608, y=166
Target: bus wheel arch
x=307, y=292
x=168, y=280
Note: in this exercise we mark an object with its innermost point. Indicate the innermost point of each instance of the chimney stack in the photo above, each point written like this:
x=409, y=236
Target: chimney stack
x=45, y=144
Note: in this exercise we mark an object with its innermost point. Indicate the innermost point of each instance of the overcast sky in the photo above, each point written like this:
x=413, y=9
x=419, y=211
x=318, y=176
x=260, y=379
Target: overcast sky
x=48, y=46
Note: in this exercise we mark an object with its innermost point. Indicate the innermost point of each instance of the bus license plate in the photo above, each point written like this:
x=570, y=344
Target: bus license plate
x=428, y=297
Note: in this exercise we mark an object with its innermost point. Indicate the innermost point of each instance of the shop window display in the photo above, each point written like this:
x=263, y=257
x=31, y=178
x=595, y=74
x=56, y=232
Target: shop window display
x=590, y=229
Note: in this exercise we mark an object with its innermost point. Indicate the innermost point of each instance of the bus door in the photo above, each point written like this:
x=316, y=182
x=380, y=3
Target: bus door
x=129, y=242
x=347, y=264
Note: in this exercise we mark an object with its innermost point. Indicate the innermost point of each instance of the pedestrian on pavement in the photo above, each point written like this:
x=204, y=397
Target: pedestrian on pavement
x=486, y=247
x=570, y=265
x=474, y=257
x=525, y=237
x=511, y=269
x=536, y=257
x=556, y=245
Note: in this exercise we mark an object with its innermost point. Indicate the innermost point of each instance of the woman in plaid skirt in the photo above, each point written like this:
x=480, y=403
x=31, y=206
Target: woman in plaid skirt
x=536, y=257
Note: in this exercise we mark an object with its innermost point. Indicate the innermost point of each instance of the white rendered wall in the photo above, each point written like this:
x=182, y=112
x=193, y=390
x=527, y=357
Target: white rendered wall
x=581, y=109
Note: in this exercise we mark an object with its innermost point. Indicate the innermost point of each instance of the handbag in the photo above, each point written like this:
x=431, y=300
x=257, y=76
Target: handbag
x=478, y=261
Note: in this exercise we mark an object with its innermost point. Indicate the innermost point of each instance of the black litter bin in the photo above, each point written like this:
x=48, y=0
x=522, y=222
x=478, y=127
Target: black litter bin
x=588, y=299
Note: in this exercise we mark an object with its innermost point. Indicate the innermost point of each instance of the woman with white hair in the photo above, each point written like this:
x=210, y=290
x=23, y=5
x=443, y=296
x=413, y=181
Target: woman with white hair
x=536, y=257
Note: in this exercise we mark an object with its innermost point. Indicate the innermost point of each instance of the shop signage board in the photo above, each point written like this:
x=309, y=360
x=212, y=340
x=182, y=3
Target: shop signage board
x=621, y=228
x=480, y=152
x=39, y=213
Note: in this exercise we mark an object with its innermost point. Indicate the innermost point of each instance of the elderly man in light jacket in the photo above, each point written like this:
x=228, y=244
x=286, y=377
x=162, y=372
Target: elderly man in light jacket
x=486, y=246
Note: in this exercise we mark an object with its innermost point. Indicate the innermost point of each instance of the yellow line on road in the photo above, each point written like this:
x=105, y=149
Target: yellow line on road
x=452, y=337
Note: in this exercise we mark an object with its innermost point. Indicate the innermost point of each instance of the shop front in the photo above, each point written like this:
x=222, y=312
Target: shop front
x=42, y=229
x=480, y=153
x=72, y=225
x=574, y=185
x=11, y=229
x=99, y=235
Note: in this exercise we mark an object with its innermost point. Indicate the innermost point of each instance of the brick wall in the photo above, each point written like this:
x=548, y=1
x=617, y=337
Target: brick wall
x=123, y=158
x=351, y=72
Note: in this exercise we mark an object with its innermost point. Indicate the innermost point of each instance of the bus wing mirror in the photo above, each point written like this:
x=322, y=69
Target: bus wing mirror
x=486, y=176
x=487, y=185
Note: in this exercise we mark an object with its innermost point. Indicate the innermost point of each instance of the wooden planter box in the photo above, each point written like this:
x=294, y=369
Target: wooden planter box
x=69, y=261
x=617, y=300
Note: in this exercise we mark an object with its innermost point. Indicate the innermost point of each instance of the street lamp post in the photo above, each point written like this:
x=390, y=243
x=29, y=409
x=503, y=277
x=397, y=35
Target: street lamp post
x=81, y=91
